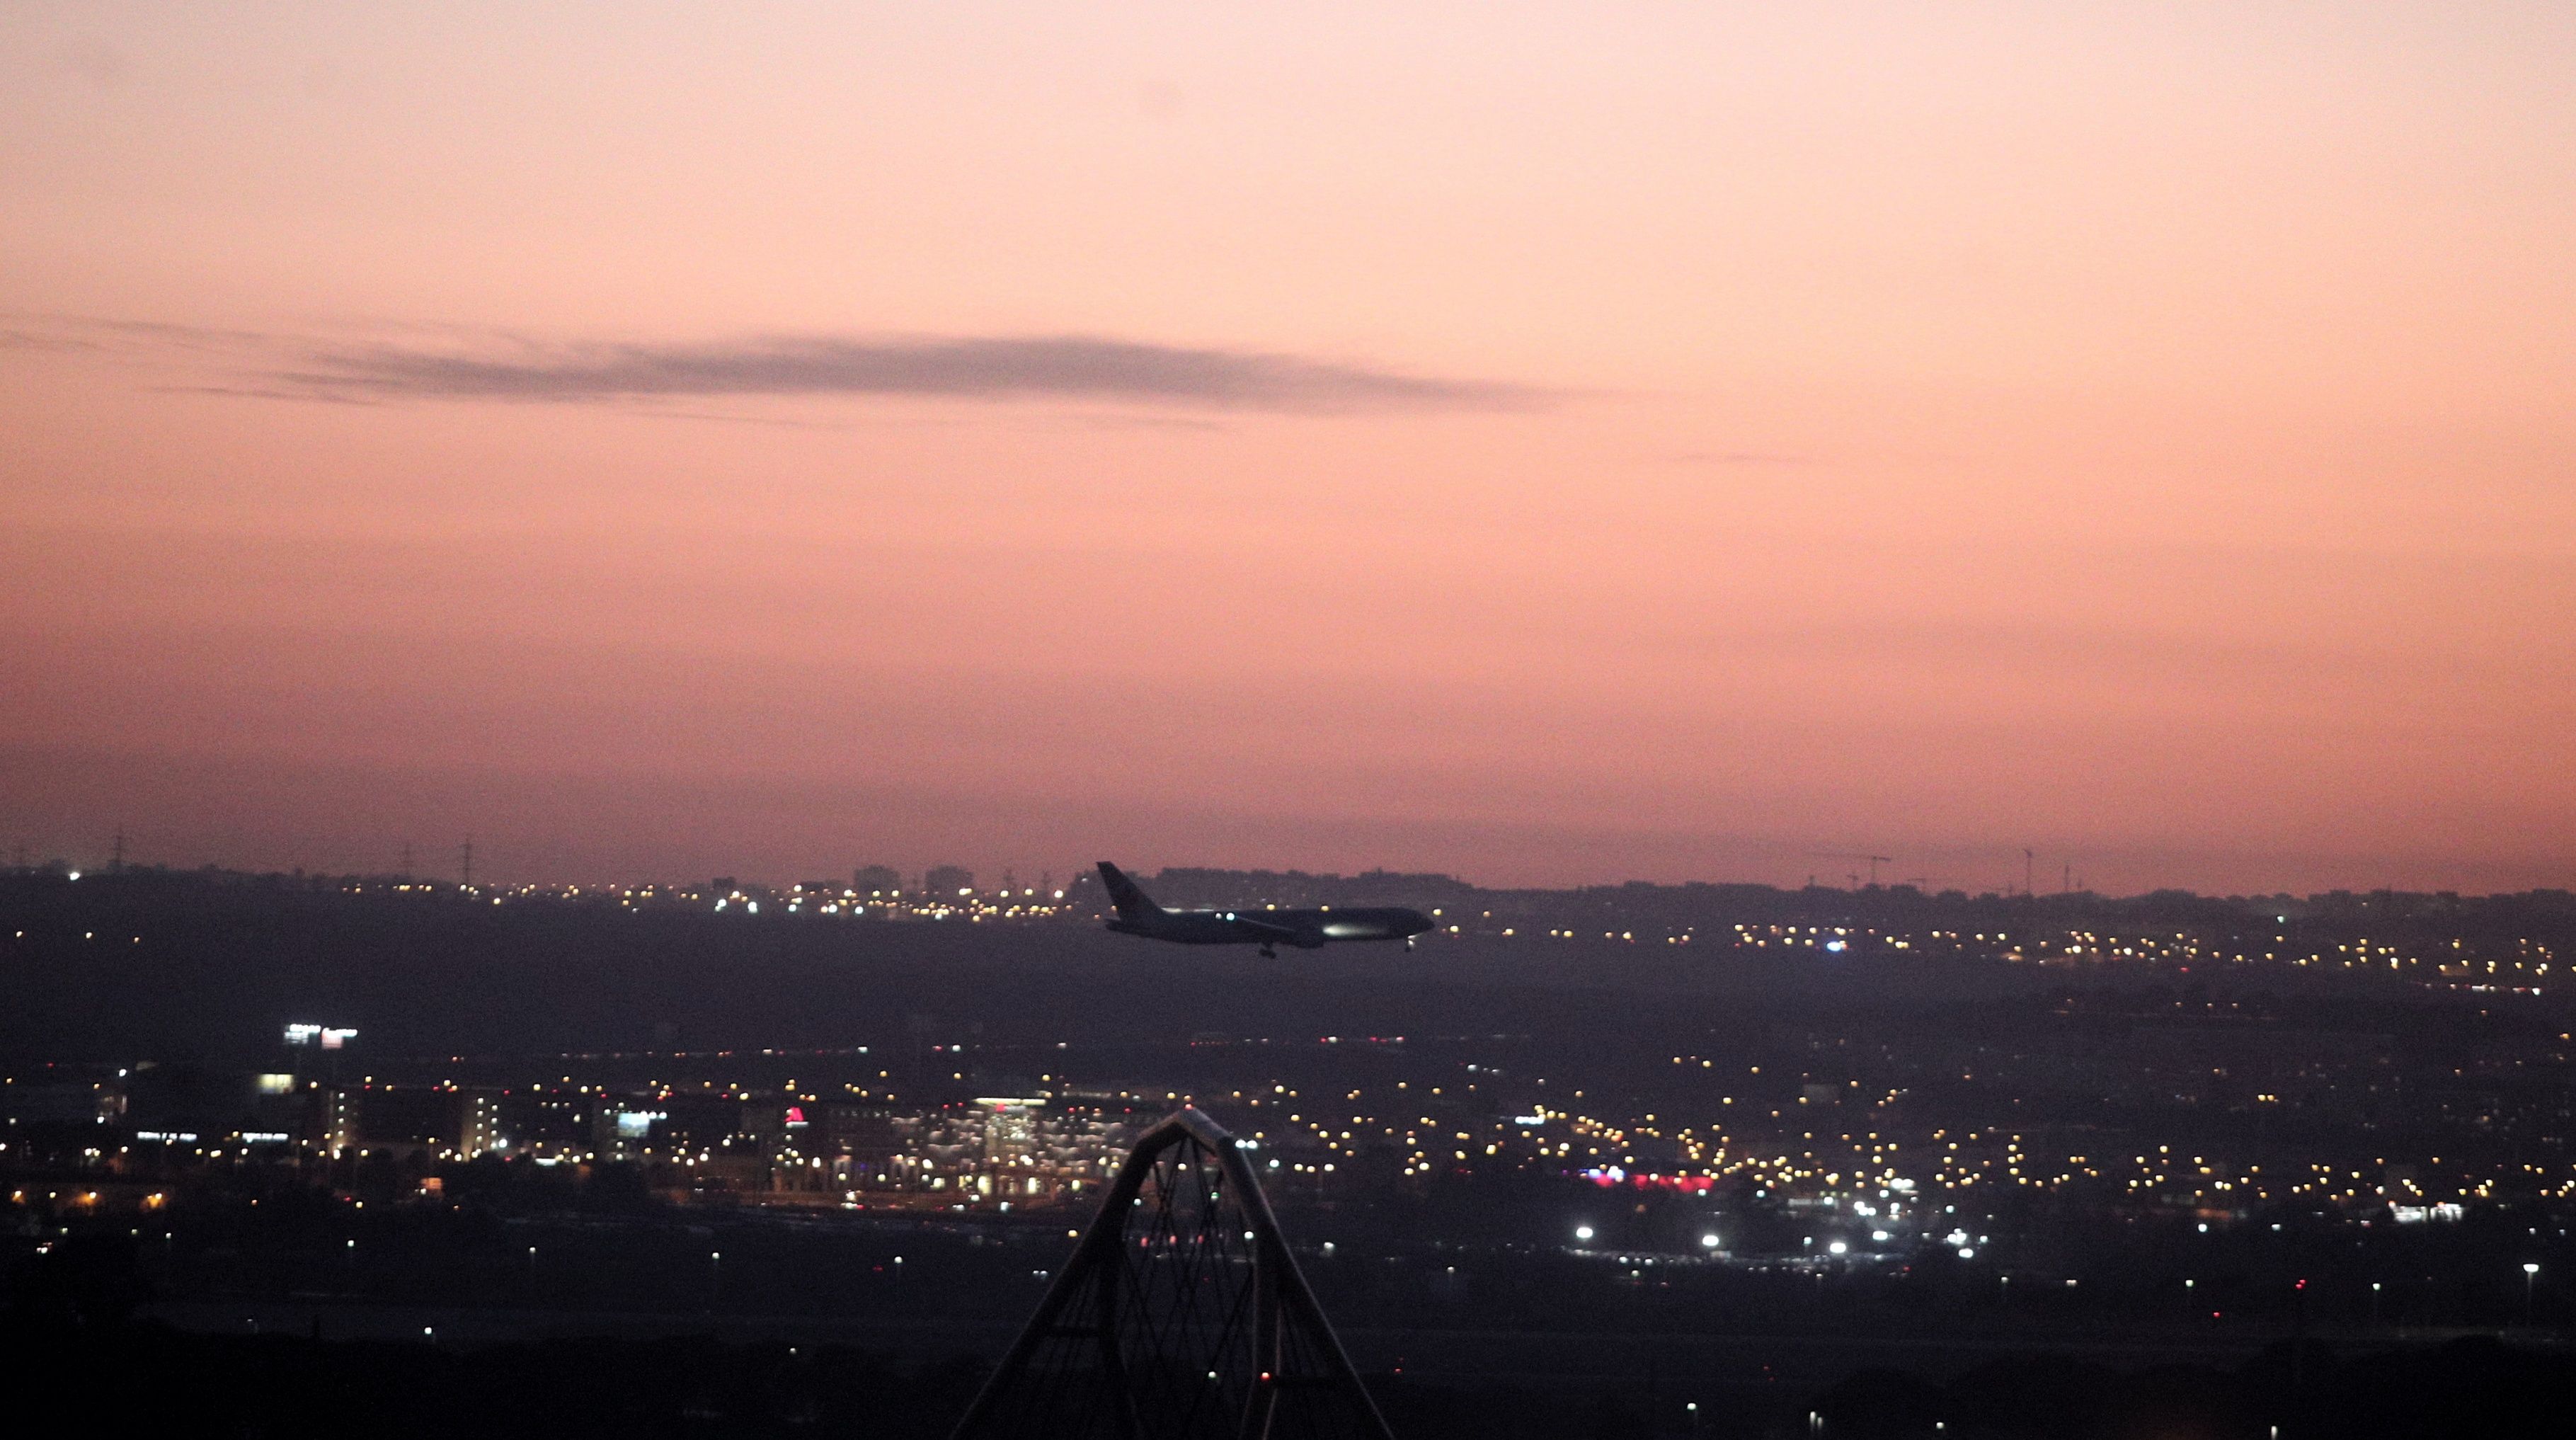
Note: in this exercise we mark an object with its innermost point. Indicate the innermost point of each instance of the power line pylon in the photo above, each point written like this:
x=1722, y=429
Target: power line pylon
x=1181, y=1316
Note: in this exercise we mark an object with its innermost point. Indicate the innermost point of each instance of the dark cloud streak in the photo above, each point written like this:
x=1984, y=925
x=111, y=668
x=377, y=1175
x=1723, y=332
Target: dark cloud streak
x=980, y=368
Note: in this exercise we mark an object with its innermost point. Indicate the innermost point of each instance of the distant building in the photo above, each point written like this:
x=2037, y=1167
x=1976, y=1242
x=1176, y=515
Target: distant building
x=334, y=1120
x=64, y=1102
x=478, y=1124
x=433, y=1121
x=948, y=879
x=876, y=880
x=312, y=1050
x=1008, y=1134
x=1001, y=1148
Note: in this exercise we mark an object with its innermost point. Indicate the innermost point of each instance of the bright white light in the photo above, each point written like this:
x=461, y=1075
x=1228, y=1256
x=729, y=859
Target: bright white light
x=1582, y=1232
x=1836, y=1248
x=1966, y=1253
x=1708, y=1241
x=1879, y=1235
x=76, y=874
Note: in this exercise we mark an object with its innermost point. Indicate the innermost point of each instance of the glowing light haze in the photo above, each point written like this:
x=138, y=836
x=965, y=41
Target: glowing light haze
x=1547, y=444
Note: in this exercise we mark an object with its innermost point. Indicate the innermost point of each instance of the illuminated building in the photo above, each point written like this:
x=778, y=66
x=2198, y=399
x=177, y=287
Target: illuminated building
x=334, y=1129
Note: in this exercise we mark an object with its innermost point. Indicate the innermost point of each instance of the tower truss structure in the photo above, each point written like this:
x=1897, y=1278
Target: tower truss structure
x=1181, y=1316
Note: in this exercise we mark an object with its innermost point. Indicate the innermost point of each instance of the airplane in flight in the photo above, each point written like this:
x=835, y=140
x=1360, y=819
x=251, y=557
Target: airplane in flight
x=1303, y=929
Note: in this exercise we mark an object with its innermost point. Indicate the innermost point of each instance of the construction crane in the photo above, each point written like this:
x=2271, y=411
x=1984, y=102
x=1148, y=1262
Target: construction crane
x=1874, y=862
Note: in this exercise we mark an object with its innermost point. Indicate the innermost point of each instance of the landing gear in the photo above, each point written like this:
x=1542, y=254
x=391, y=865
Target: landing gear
x=1267, y=953
x=1408, y=942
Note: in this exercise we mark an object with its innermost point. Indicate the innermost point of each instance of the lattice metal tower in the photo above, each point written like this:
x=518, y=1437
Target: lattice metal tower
x=1181, y=1316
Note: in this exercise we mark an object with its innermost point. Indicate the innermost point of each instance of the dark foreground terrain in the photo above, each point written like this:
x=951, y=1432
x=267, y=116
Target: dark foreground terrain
x=93, y=1334
x=151, y=1378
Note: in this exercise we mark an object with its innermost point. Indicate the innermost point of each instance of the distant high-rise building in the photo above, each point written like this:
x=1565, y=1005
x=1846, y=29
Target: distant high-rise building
x=478, y=1124
x=334, y=1120
x=948, y=879
x=876, y=880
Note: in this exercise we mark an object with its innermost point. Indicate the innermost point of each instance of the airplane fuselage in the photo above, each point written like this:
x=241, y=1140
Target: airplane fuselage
x=1268, y=928
x=1300, y=929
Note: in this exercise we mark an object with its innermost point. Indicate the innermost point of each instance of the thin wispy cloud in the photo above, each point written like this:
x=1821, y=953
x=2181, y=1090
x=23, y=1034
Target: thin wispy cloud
x=453, y=365
x=1736, y=457
x=1001, y=368
x=37, y=340
x=257, y=392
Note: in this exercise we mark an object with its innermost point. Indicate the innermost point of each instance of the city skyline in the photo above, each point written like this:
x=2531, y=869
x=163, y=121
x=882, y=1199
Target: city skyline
x=1047, y=890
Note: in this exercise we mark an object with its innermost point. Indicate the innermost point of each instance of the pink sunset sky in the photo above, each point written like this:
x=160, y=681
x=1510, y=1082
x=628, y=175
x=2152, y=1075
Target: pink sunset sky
x=1548, y=444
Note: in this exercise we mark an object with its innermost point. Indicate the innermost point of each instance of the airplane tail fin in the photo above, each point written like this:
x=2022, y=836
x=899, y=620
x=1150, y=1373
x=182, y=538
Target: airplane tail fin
x=1131, y=902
